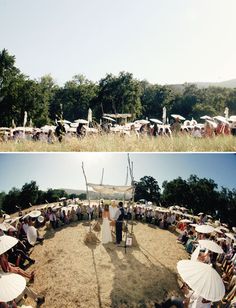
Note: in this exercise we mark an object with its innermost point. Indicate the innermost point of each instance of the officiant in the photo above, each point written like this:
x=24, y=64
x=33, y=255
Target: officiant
x=119, y=223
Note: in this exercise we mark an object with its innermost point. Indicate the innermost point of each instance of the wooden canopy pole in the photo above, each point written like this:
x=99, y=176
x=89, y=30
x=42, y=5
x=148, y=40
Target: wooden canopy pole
x=87, y=193
x=131, y=171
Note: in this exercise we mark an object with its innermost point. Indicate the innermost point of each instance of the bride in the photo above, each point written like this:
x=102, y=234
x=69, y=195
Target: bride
x=106, y=230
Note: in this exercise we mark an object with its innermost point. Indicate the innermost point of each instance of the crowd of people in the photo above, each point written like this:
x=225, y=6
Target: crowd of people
x=63, y=131
x=17, y=258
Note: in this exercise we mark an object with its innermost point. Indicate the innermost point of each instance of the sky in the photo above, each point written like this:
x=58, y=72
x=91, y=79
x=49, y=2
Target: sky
x=162, y=41
x=64, y=170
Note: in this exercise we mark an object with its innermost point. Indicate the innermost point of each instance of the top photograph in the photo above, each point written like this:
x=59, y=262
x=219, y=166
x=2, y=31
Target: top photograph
x=126, y=76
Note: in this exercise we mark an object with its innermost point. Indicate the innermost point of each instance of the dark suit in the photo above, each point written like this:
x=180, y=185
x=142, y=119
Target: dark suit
x=119, y=223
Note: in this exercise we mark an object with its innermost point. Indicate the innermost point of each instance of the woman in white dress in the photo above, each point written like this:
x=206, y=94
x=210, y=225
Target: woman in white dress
x=106, y=229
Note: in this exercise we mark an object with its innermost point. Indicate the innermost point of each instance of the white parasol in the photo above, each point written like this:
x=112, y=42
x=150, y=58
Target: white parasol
x=234, y=229
x=195, y=254
x=204, y=229
x=210, y=245
x=199, y=214
x=11, y=286
x=156, y=121
x=109, y=119
x=231, y=236
x=41, y=219
x=186, y=221
x=214, y=125
x=221, y=119
x=4, y=226
x=34, y=214
x=202, y=279
x=6, y=216
x=32, y=235
x=206, y=117
x=175, y=116
x=142, y=121
x=6, y=243
x=81, y=121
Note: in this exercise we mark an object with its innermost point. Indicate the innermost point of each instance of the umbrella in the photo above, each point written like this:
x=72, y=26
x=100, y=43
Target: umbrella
x=186, y=221
x=232, y=118
x=6, y=216
x=210, y=245
x=195, y=254
x=221, y=239
x=64, y=121
x=142, y=121
x=193, y=225
x=221, y=119
x=156, y=121
x=81, y=121
x=109, y=119
x=204, y=229
x=231, y=236
x=214, y=125
x=205, y=117
x=31, y=235
x=234, y=229
x=40, y=219
x=4, y=226
x=34, y=214
x=6, y=243
x=175, y=116
x=202, y=279
x=11, y=286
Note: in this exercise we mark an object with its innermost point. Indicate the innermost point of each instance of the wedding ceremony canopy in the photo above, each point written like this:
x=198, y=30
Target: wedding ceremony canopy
x=109, y=189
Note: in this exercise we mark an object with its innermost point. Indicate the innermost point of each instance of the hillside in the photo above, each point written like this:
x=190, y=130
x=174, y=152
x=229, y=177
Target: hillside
x=223, y=84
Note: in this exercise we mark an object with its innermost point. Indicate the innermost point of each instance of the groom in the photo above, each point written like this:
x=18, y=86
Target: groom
x=119, y=222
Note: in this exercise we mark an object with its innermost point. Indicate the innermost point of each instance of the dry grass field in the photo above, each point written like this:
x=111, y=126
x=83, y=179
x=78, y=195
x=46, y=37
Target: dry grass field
x=72, y=274
x=115, y=143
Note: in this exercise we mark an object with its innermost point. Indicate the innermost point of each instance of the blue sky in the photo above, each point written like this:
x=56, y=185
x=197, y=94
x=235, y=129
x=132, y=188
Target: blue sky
x=64, y=170
x=163, y=41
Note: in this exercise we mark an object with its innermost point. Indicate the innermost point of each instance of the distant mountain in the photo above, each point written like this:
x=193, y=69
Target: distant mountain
x=95, y=196
x=223, y=84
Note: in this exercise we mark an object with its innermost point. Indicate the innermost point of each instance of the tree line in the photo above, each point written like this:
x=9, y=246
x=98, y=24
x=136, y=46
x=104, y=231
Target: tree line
x=29, y=195
x=43, y=99
x=196, y=194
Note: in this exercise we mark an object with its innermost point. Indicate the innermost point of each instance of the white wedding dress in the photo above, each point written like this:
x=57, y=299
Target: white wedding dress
x=106, y=231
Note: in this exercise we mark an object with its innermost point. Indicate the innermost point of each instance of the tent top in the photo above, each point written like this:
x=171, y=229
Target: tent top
x=107, y=189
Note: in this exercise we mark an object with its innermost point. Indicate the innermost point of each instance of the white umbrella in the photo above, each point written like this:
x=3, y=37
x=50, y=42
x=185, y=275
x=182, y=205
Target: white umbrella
x=109, y=119
x=40, y=219
x=206, y=117
x=31, y=235
x=6, y=216
x=231, y=236
x=34, y=214
x=210, y=245
x=232, y=118
x=142, y=121
x=221, y=239
x=81, y=121
x=214, y=125
x=195, y=254
x=234, y=229
x=204, y=229
x=6, y=243
x=11, y=286
x=64, y=121
x=156, y=121
x=221, y=119
x=4, y=226
x=186, y=221
x=193, y=225
x=224, y=228
x=175, y=116
x=202, y=279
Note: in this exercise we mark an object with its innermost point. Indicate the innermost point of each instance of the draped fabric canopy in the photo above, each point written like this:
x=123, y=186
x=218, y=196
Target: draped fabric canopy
x=109, y=189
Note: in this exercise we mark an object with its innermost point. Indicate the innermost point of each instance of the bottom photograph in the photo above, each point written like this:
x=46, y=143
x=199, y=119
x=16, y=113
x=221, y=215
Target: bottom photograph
x=117, y=230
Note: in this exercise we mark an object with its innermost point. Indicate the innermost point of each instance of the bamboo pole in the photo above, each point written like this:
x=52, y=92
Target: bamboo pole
x=87, y=193
x=131, y=170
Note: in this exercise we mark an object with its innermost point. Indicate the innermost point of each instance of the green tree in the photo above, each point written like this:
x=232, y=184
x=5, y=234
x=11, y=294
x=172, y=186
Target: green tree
x=11, y=200
x=28, y=194
x=147, y=188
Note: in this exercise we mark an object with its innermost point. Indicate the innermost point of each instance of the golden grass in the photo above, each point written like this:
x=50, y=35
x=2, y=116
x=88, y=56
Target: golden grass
x=72, y=274
x=115, y=143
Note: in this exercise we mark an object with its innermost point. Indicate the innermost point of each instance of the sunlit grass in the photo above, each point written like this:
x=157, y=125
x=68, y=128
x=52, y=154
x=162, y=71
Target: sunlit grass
x=115, y=143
